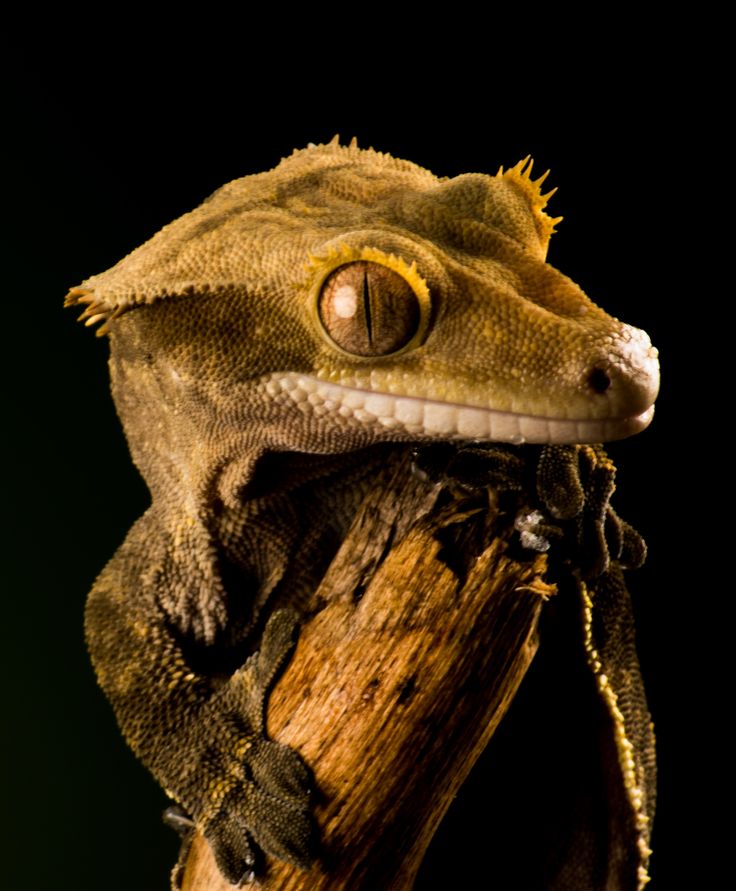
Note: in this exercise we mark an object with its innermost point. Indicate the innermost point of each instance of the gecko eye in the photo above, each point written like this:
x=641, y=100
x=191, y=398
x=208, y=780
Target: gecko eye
x=368, y=309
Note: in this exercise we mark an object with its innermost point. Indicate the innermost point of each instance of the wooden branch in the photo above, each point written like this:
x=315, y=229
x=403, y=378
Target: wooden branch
x=395, y=689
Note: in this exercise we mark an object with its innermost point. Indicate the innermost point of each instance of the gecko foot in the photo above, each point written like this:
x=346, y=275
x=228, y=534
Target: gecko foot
x=258, y=791
x=252, y=819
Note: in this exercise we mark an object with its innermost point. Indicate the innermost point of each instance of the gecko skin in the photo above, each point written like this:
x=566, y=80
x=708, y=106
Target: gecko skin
x=266, y=351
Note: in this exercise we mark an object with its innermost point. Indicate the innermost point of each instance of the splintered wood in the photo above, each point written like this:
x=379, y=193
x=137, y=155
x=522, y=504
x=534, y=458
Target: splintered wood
x=394, y=690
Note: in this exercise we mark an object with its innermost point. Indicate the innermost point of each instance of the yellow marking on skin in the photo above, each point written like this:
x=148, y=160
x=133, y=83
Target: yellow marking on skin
x=624, y=746
x=175, y=679
x=141, y=629
x=242, y=746
x=216, y=792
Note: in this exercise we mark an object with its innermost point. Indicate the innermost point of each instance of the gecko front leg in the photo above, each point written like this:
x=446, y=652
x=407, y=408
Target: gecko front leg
x=203, y=738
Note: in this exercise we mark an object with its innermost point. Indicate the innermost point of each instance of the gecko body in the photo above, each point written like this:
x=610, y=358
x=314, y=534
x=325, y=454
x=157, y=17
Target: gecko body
x=267, y=350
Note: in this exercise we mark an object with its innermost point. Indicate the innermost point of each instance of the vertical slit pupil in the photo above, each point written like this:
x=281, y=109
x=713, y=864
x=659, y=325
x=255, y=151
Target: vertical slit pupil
x=367, y=306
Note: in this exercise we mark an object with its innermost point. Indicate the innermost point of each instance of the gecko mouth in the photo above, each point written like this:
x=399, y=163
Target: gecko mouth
x=352, y=407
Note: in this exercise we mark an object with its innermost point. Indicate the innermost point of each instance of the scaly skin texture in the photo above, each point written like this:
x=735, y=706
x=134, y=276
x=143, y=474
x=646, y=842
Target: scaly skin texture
x=267, y=350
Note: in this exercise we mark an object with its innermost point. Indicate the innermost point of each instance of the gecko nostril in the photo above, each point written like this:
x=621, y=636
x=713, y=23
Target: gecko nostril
x=599, y=380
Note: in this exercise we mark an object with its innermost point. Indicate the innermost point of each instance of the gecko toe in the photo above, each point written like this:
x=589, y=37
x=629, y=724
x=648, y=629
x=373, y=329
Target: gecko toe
x=280, y=771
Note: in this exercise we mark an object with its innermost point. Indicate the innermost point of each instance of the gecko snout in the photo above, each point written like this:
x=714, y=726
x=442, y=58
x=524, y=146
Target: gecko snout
x=626, y=374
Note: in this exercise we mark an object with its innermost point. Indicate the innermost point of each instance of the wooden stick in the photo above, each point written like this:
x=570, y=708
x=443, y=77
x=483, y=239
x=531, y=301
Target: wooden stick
x=394, y=690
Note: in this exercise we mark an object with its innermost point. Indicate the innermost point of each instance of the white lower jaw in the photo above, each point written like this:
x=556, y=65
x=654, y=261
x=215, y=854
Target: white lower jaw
x=444, y=420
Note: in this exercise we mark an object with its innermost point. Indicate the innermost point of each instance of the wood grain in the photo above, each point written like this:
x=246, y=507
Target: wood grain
x=395, y=689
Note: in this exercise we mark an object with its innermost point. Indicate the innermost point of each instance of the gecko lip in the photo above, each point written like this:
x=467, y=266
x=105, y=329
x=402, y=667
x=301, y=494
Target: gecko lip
x=353, y=407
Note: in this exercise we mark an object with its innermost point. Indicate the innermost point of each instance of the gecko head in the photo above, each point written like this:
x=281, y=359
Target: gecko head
x=347, y=297
x=422, y=339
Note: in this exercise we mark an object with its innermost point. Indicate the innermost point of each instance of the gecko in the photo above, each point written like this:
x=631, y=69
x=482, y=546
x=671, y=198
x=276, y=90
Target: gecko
x=267, y=351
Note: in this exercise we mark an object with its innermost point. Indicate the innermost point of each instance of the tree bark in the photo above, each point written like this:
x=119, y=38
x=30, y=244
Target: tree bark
x=395, y=689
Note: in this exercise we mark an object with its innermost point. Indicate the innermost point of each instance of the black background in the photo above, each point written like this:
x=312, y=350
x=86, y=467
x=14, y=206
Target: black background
x=107, y=146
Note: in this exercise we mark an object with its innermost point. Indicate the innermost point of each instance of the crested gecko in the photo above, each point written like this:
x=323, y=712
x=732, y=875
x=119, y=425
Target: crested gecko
x=264, y=349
